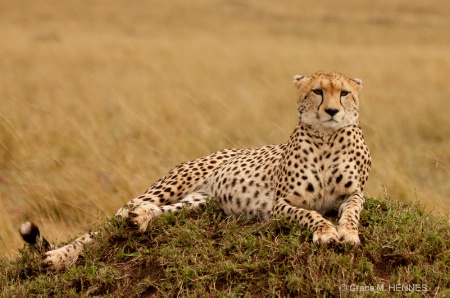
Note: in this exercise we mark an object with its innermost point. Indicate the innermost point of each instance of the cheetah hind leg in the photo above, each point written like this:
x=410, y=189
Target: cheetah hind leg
x=54, y=258
x=63, y=257
x=140, y=216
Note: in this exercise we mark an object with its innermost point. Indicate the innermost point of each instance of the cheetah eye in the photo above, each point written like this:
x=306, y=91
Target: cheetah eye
x=318, y=92
x=344, y=93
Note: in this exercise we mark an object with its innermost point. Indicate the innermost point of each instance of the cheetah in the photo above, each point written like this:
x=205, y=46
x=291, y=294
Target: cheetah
x=324, y=161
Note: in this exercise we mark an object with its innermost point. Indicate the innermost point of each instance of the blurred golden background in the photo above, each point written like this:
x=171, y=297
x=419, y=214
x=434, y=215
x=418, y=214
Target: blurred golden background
x=98, y=99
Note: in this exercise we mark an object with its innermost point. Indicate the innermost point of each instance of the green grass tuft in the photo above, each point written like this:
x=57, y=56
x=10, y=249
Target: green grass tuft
x=404, y=251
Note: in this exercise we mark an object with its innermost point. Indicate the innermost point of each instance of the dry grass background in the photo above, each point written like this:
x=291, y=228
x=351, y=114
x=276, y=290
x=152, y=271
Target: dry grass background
x=100, y=98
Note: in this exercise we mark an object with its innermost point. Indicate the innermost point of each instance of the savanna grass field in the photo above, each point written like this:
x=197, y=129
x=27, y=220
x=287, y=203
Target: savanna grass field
x=98, y=99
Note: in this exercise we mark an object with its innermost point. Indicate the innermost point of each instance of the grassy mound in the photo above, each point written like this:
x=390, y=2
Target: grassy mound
x=404, y=251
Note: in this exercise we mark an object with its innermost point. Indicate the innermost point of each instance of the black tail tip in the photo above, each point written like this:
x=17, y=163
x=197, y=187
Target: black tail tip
x=29, y=232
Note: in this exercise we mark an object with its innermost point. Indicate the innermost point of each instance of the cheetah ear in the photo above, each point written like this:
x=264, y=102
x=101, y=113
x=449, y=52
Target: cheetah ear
x=356, y=80
x=358, y=83
x=297, y=80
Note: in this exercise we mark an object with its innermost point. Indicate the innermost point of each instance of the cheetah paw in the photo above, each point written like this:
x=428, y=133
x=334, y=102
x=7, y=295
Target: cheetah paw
x=141, y=216
x=326, y=235
x=59, y=259
x=122, y=212
x=349, y=236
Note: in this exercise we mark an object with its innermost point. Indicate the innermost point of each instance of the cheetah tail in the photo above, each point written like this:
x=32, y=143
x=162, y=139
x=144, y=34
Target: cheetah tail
x=30, y=233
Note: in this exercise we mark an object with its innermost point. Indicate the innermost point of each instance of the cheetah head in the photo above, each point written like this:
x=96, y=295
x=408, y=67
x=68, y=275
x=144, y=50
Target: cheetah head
x=328, y=100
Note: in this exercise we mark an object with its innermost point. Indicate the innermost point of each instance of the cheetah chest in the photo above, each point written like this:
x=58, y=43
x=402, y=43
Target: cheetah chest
x=314, y=174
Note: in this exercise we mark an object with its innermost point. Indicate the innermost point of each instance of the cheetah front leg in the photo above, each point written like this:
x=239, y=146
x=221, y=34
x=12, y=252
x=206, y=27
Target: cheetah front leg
x=324, y=232
x=349, y=218
x=141, y=215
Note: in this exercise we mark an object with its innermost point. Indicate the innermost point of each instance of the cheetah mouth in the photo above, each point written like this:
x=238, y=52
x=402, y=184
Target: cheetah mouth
x=332, y=120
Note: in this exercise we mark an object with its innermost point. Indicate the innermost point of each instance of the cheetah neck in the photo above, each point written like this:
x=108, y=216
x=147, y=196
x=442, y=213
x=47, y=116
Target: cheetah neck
x=322, y=134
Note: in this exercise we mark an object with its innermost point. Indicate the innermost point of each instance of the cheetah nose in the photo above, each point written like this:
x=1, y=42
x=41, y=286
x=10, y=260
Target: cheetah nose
x=331, y=112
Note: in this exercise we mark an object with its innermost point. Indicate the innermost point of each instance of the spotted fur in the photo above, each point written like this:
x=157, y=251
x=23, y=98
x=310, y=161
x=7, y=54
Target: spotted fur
x=324, y=160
